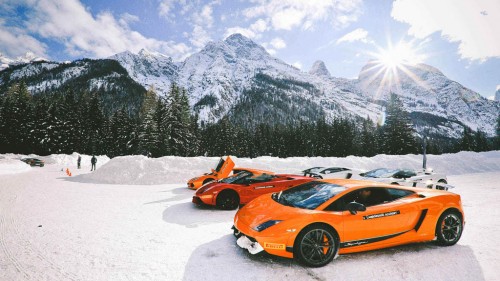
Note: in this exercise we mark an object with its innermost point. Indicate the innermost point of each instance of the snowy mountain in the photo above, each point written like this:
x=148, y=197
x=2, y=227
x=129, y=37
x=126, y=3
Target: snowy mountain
x=150, y=69
x=105, y=77
x=27, y=58
x=237, y=77
x=319, y=69
x=497, y=94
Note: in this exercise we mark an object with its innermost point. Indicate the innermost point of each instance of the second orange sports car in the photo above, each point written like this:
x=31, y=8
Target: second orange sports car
x=243, y=187
x=315, y=221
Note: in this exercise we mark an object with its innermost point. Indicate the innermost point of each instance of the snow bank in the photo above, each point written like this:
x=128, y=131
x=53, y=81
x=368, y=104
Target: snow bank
x=142, y=170
x=10, y=163
x=12, y=166
x=146, y=171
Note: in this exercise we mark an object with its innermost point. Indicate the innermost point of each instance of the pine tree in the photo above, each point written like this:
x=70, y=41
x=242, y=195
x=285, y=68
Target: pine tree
x=367, y=139
x=148, y=134
x=177, y=122
x=466, y=143
x=122, y=131
x=480, y=141
x=17, y=116
x=397, y=132
x=497, y=139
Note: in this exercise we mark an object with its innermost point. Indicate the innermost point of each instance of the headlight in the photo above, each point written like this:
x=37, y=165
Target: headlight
x=266, y=225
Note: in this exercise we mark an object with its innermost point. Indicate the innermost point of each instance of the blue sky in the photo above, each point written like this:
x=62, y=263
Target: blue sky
x=459, y=37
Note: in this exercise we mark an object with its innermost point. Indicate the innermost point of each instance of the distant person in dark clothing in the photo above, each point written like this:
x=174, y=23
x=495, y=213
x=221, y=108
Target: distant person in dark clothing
x=93, y=161
x=79, y=161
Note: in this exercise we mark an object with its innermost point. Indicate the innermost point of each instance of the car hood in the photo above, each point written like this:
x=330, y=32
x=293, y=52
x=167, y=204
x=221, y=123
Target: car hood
x=215, y=186
x=264, y=208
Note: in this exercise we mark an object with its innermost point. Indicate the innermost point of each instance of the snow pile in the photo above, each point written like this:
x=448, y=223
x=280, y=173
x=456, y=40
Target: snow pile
x=142, y=170
x=12, y=166
x=70, y=160
x=170, y=169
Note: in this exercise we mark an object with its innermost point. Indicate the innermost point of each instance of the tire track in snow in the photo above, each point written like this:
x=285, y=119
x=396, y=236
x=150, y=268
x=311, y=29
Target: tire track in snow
x=8, y=254
x=33, y=250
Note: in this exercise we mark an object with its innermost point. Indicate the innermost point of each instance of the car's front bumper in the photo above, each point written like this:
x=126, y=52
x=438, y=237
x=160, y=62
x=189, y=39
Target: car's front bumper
x=203, y=200
x=254, y=242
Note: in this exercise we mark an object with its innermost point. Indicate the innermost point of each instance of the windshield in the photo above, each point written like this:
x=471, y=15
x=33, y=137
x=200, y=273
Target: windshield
x=308, y=195
x=237, y=177
x=380, y=173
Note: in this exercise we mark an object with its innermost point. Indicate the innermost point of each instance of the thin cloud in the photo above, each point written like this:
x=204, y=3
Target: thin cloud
x=290, y=14
x=278, y=43
x=16, y=42
x=358, y=34
x=473, y=24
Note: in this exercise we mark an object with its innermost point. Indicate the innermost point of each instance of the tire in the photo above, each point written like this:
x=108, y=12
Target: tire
x=227, y=200
x=315, y=246
x=440, y=187
x=449, y=228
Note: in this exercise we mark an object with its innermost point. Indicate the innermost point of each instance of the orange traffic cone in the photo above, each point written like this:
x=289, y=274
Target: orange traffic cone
x=68, y=172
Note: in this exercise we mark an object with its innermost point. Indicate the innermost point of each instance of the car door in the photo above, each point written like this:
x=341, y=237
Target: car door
x=384, y=221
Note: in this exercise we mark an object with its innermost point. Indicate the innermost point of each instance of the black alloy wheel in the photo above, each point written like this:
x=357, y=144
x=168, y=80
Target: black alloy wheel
x=316, y=246
x=449, y=228
x=227, y=200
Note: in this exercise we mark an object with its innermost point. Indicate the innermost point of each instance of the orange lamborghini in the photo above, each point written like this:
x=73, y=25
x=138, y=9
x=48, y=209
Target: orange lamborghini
x=222, y=170
x=243, y=187
x=315, y=221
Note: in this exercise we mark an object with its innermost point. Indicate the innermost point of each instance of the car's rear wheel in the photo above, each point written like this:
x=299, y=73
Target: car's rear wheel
x=227, y=200
x=449, y=228
x=316, y=246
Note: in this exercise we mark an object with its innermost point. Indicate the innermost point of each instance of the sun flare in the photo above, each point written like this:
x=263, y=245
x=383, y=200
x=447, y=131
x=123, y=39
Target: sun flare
x=397, y=56
x=393, y=63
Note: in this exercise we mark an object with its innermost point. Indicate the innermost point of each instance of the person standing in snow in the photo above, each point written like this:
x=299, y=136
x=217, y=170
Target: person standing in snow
x=79, y=161
x=93, y=161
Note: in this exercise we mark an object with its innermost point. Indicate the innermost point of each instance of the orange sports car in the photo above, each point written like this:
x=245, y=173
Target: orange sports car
x=221, y=171
x=241, y=188
x=315, y=221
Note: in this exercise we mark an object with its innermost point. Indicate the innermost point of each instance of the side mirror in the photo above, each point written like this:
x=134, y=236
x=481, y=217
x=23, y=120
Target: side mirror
x=355, y=207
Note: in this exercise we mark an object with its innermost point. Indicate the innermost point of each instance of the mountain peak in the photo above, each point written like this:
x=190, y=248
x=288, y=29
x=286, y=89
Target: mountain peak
x=319, y=69
x=238, y=39
x=497, y=94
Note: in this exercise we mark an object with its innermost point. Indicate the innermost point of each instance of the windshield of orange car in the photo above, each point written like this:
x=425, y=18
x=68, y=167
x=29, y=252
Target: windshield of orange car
x=236, y=177
x=308, y=195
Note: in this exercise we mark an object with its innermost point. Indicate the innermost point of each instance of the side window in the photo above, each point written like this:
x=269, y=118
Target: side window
x=398, y=193
x=341, y=203
x=367, y=196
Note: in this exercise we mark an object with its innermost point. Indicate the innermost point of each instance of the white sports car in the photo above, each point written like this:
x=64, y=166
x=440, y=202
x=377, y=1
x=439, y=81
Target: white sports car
x=408, y=177
x=330, y=173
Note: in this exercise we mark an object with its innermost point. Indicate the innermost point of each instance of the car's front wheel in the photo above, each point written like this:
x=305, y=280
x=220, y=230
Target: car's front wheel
x=449, y=228
x=227, y=200
x=316, y=246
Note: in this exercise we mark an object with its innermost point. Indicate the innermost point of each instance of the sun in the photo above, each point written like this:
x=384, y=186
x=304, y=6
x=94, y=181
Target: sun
x=399, y=55
x=391, y=65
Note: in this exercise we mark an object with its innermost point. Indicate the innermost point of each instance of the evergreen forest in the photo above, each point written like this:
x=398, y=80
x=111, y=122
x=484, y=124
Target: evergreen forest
x=77, y=122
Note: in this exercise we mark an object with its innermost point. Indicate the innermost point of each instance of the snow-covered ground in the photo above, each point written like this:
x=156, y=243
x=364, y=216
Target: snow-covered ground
x=133, y=219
